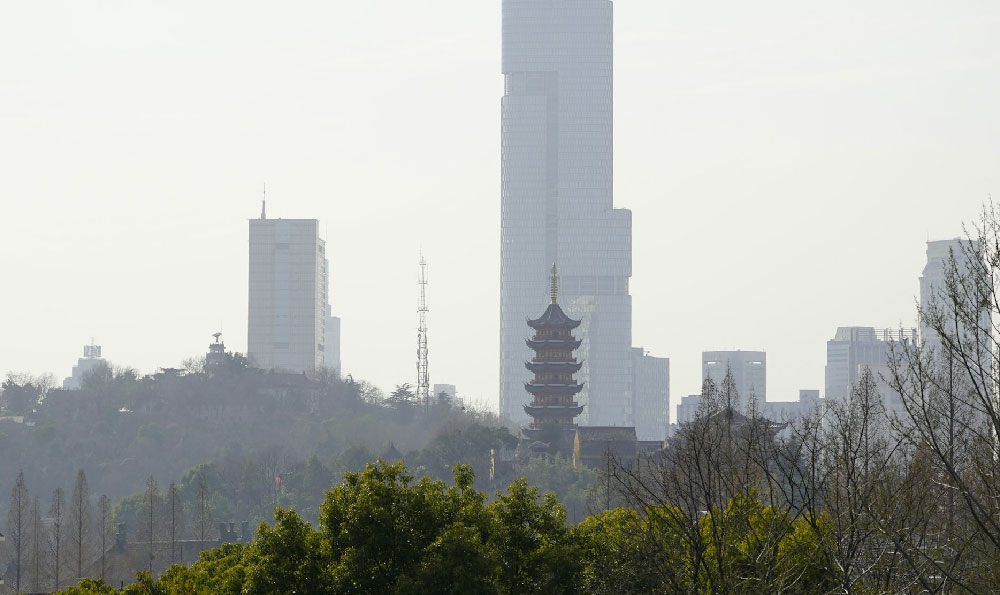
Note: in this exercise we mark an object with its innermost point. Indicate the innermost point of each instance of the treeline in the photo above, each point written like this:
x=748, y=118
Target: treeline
x=123, y=427
x=57, y=541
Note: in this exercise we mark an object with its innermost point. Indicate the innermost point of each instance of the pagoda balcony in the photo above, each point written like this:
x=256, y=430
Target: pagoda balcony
x=552, y=389
x=553, y=344
x=553, y=367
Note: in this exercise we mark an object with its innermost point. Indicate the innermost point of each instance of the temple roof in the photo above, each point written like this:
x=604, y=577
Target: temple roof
x=553, y=317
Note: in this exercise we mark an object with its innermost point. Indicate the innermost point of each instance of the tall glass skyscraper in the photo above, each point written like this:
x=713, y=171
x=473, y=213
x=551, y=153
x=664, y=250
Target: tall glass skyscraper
x=556, y=200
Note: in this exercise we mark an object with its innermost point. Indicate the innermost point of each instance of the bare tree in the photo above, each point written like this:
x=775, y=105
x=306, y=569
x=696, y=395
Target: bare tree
x=57, y=513
x=151, y=503
x=37, y=554
x=202, y=521
x=18, y=526
x=104, y=529
x=948, y=388
x=175, y=512
x=80, y=523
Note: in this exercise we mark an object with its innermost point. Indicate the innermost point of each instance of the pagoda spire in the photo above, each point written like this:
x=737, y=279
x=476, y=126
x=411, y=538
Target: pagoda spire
x=554, y=284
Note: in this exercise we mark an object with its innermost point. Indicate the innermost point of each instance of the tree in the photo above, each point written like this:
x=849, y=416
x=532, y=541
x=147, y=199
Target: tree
x=175, y=515
x=18, y=526
x=37, y=555
x=948, y=388
x=202, y=521
x=150, y=518
x=80, y=524
x=104, y=529
x=57, y=512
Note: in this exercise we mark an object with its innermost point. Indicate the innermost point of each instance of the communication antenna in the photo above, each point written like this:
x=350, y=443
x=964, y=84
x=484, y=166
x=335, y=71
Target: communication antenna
x=423, y=378
x=263, y=204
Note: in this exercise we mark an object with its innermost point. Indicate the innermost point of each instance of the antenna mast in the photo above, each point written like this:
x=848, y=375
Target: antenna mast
x=423, y=378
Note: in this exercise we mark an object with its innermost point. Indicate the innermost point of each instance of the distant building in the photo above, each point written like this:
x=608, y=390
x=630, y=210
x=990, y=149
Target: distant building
x=785, y=411
x=216, y=355
x=749, y=373
x=288, y=295
x=854, y=348
x=651, y=395
x=932, y=281
x=593, y=444
x=447, y=389
x=332, y=346
x=85, y=365
x=687, y=410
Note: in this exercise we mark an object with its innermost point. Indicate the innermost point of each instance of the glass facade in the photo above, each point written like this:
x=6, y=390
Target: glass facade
x=556, y=200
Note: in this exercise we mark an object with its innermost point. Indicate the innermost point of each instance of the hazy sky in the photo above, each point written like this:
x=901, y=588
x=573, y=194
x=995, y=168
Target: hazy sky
x=785, y=163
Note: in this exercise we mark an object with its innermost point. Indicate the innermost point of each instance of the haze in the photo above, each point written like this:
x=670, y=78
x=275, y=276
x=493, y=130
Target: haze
x=784, y=164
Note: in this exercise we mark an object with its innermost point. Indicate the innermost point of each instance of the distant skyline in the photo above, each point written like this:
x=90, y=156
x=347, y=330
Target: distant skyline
x=784, y=163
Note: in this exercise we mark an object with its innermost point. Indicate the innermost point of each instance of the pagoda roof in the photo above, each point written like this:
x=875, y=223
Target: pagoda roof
x=571, y=367
x=553, y=410
x=553, y=317
x=552, y=389
x=569, y=344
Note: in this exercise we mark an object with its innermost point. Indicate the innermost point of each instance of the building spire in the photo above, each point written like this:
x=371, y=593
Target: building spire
x=554, y=284
x=263, y=204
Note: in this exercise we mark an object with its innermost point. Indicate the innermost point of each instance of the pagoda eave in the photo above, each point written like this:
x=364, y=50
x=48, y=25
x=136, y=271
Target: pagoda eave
x=560, y=344
x=552, y=389
x=554, y=411
x=554, y=367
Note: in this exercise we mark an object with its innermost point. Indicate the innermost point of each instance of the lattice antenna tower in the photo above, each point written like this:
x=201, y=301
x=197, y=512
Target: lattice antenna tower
x=423, y=377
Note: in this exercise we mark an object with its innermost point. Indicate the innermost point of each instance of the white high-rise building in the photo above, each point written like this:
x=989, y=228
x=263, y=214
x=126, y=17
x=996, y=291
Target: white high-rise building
x=332, y=344
x=932, y=281
x=288, y=295
x=556, y=201
x=90, y=361
x=651, y=395
x=854, y=348
x=749, y=373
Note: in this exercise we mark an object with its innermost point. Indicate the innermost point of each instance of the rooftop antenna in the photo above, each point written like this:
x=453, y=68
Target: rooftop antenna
x=263, y=204
x=423, y=377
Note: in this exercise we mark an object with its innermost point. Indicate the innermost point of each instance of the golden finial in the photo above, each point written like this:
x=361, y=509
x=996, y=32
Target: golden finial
x=554, y=284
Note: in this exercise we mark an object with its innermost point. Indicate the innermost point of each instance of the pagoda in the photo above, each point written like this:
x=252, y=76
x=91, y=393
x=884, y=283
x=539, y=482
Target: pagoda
x=553, y=388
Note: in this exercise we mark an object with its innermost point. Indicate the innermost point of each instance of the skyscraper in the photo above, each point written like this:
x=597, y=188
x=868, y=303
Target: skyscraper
x=651, y=395
x=854, y=348
x=934, y=277
x=288, y=295
x=749, y=373
x=556, y=199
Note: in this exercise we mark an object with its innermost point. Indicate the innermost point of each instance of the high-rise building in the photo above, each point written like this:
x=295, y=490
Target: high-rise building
x=854, y=348
x=932, y=281
x=556, y=200
x=687, y=409
x=90, y=361
x=332, y=343
x=749, y=373
x=288, y=295
x=651, y=395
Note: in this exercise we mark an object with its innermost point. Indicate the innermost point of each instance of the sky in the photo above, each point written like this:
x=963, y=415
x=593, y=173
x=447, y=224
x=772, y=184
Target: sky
x=785, y=163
